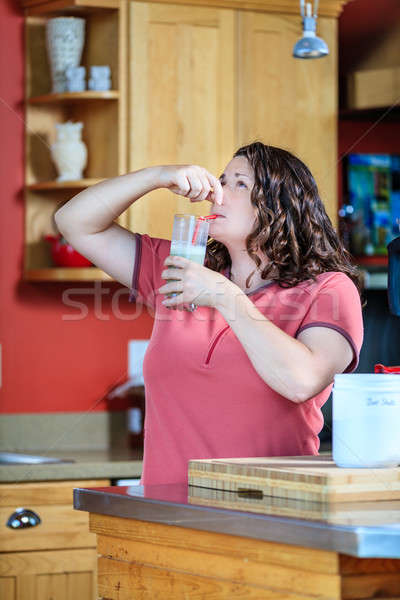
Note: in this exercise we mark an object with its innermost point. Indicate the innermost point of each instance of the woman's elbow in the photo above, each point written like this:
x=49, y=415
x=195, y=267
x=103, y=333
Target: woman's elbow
x=305, y=390
x=301, y=396
x=59, y=220
x=296, y=393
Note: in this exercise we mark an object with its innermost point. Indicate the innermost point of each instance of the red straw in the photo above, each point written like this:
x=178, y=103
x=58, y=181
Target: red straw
x=196, y=229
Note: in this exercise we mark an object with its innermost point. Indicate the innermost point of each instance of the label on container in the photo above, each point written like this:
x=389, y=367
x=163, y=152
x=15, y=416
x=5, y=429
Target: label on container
x=135, y=420
x=365, y=405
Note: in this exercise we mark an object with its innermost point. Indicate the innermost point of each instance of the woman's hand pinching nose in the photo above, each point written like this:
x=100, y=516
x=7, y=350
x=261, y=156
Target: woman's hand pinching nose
x=192, y=181
x=216, y=193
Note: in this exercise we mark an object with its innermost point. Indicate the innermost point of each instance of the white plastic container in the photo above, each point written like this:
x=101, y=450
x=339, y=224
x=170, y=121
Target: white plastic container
x=366, y=420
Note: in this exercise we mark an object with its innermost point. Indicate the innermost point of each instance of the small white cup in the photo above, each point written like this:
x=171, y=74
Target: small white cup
x=366, y=420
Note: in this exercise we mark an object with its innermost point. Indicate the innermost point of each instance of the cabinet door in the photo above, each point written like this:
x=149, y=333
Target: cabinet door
x=288, y=102
x=55, y=575
x=181, y=100
x=54, y=571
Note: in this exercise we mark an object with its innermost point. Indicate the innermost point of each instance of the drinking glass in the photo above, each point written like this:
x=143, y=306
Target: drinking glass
x=189, y=239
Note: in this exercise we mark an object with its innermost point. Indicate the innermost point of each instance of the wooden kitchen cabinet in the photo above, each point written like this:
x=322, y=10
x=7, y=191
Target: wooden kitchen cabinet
x=181, y=100
x=56, y=575
x=288, y=102
x=204, y=81
x=54, y=560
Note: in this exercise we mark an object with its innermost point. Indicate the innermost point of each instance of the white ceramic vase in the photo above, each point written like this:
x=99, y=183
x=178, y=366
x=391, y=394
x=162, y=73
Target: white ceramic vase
x=69, y=152
x=65, y=37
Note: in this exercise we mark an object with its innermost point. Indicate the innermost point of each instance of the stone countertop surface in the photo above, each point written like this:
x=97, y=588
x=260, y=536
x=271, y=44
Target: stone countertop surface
x=121, y=463
x=171, y=504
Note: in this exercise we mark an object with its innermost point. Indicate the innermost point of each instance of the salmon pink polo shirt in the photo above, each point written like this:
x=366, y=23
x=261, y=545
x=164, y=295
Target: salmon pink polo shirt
x=204, y=399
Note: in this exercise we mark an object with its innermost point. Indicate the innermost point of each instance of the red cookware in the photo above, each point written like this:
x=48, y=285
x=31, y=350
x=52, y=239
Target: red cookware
x=63, y=254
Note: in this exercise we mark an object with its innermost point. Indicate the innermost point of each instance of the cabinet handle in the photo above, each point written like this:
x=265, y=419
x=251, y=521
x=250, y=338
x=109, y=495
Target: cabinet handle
x=23, y=518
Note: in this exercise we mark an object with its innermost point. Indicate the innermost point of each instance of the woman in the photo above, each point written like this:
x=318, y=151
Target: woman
x=278, y=310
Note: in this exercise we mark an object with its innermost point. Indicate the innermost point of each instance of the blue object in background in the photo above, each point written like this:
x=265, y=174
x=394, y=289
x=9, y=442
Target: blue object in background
x=394, y=277
x=373, y=189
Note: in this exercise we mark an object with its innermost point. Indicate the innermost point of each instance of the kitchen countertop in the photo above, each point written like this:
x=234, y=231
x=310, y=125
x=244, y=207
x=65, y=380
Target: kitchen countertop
x=121, y=463
x=170, y=505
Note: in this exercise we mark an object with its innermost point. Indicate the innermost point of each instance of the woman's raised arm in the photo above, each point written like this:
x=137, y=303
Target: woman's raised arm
x=87, y=220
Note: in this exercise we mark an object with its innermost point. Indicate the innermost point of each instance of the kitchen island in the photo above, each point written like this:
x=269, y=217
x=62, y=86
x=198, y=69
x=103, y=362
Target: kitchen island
x=163, y=542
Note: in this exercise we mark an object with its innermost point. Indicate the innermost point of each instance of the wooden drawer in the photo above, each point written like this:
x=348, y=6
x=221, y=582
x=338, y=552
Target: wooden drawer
x=51, y=492
x=61, y=526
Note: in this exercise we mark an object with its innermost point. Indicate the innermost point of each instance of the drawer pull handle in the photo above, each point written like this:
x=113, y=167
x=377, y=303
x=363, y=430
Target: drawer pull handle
x=23, y=518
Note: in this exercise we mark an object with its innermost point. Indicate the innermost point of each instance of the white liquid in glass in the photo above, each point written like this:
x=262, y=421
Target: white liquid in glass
x=189, y=251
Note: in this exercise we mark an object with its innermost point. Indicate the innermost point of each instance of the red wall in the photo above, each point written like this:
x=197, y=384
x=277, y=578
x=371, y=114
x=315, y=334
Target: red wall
x=48, y=363
x=361, y=24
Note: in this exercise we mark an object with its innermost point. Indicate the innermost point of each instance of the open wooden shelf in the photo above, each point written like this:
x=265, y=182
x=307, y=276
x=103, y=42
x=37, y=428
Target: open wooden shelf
x=102, y=113
x=372, y=261
x=67, y=274
x=74, y=96
x=385, y=113
x=43, y=186
x=67, y=7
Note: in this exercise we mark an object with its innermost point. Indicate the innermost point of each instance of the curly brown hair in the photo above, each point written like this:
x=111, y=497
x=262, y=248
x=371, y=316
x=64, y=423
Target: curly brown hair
x=291, y=228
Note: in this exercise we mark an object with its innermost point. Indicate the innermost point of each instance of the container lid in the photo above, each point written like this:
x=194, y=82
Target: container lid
x=370, y=380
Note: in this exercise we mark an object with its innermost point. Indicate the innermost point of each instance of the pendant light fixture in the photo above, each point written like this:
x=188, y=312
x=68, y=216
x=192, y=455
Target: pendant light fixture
x=310, y=46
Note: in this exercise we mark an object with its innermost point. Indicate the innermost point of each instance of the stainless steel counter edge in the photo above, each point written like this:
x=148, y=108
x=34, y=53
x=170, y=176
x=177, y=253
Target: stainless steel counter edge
x=363, y=542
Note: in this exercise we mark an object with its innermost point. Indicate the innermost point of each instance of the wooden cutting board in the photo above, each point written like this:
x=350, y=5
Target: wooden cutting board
x=309, y=478
x=338, y=513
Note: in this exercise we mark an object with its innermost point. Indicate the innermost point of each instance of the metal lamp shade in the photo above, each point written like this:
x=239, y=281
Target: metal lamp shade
x=310, y=47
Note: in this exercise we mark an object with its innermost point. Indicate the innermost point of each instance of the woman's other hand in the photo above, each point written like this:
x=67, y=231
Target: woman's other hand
x=191, y=181
x=193, y=283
